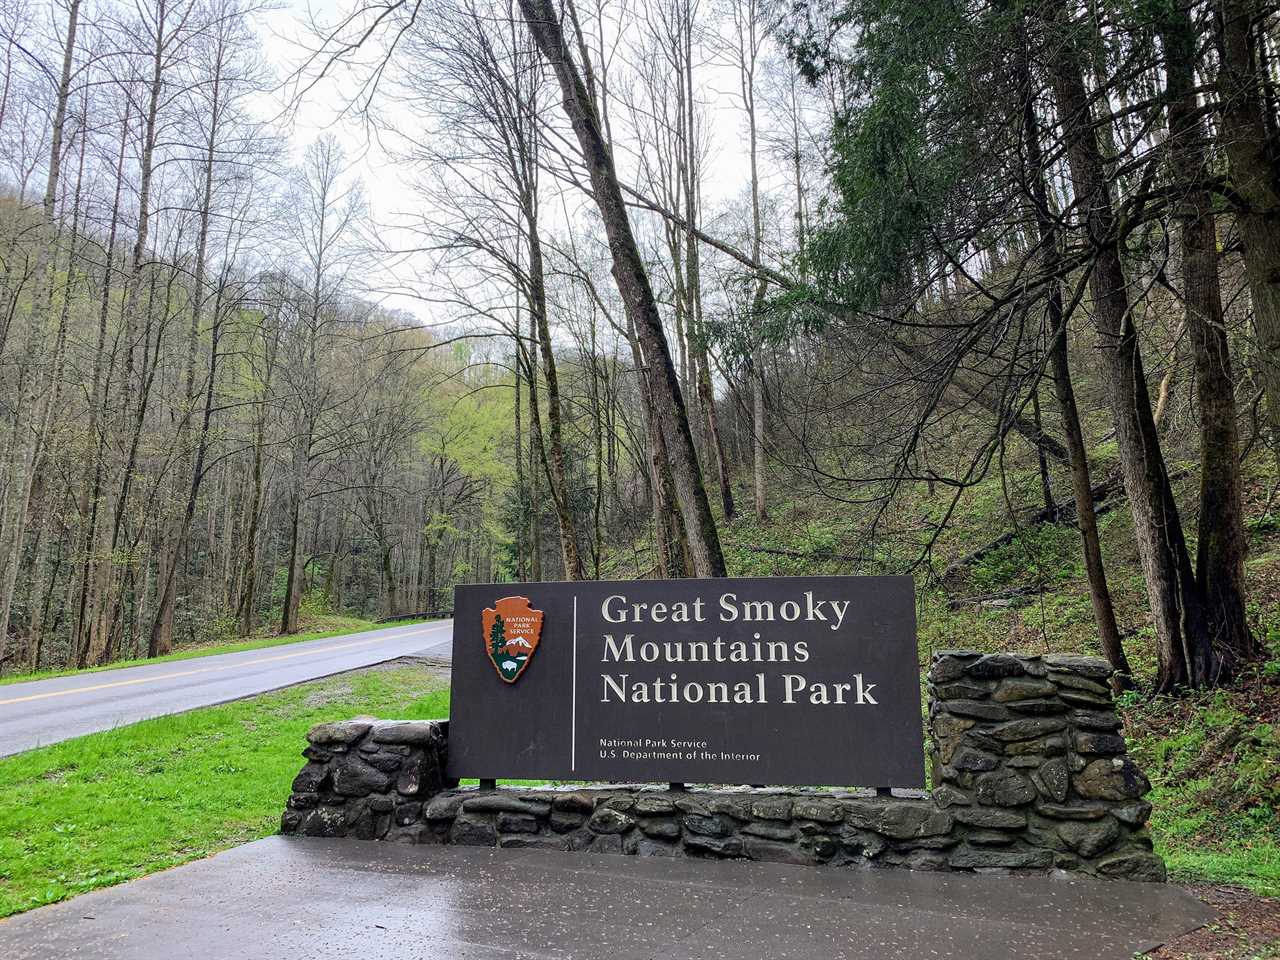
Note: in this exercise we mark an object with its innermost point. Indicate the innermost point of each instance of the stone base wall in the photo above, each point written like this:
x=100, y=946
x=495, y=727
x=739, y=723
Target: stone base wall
x=1029, y=768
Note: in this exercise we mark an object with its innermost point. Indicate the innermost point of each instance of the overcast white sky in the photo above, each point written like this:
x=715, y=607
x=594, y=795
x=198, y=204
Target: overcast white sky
x=387, y=183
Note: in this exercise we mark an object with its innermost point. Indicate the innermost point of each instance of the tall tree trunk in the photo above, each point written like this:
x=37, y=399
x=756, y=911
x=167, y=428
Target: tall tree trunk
x=667, y=539
x=249, y=563
x=1049, y=239
x=1221, y=545
x=161, y=639
x=1176, y=606
x=633, y=285
x=1253, y=154
x=557, y=475
x=293, y=579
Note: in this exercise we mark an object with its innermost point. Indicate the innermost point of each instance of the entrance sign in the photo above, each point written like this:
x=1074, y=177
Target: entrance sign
x=778, y=680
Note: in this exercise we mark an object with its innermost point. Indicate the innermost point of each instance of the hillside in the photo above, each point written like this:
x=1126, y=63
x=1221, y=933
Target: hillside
x=1214, y=758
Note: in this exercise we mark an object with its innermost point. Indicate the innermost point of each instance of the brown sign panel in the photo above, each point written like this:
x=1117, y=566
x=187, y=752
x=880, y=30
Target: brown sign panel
x=779, y=680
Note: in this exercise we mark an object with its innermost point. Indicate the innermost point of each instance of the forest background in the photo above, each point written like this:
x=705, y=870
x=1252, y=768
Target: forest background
x=988, y=293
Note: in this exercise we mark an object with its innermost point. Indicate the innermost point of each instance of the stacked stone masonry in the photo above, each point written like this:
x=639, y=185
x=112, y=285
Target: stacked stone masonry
x=1028, y=765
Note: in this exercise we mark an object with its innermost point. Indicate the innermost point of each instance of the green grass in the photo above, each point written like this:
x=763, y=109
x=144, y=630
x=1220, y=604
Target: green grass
x=335, y=627
x=113, y=806
x=1214, y=763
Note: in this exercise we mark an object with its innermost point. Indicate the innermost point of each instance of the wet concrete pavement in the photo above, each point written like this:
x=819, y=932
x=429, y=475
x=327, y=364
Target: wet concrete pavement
x=41, y=712
x=303, y=898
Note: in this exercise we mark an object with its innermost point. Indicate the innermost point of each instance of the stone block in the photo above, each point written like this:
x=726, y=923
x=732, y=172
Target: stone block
x=563, y=821
x=714, y=846
x=823, y=811
x=352, y=777
x=1095, y=668
x=820, y=846
x=1028, y=729
x=443, y=806
x=503, y=803
x=574, y=802
x=1045, y=746
x=420, y=774
x=1023, y=688
x=424, y=733
x=1052, y=779
x=990, y=838
x=1134, y=814
x=649, y=805
x=947, y=727
x=1133, y=865
x=311, y=778
x=991, y=818
x=772, y=808
x=1040, y=708
x=1111, y=778
x=995, y=665
x=517, y=823
x=948, y=796
x=1071, y=811
x=1073, y=682
x=739, y=808
x=1089, y=837
x=386, y=762
x=706, y=826
x=408, y=813
x=863, y=843
x=607, y=843
x=971, y=858
x=769, y=830
x=646, y=847
x=1108, y=744
x=772, y=851
x=1005, y=788
x=949, y=665
x=323, y=822
x=975, y=761
x=961, y=691
x=473, y=832
x=1095, y=719
x=1078, y=698
x=341, y=733
x=977, y=709
x=909, y=819
x=663, y=828
x=609, y=821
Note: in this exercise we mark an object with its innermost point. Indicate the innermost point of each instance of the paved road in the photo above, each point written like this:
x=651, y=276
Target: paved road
x=304, y=897
x=45, y=711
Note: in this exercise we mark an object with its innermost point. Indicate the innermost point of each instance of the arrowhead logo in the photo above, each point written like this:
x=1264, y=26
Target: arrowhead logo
x=512, y=630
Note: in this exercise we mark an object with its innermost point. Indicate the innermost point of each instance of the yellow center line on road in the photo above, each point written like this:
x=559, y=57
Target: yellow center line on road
x=229, y=666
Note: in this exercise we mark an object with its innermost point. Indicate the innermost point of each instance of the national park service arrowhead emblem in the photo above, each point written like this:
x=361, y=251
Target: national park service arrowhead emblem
x=512, y=629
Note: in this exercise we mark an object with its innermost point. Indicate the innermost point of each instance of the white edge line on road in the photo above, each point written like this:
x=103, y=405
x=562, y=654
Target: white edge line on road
x=229, y=666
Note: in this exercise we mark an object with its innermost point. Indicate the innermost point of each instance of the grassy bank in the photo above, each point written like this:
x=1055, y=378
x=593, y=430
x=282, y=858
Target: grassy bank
x=320, y=628
x=112, y=806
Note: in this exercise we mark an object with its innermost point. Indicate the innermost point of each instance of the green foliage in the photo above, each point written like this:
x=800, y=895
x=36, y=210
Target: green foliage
x=907, y=151
x=1039, y=553
x=112, y=806
x=1215, y=768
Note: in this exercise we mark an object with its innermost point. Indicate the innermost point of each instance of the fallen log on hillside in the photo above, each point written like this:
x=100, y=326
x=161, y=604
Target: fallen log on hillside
x=1064, y=513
